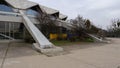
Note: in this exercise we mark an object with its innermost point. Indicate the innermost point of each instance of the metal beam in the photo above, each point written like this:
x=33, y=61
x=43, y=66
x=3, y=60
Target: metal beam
x=9, y=13
x=10, y=18
x=14, y=14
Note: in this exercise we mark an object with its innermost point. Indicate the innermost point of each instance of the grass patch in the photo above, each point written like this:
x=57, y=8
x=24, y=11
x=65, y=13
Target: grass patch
x=67, y=42
x=89, y=40
x=63, y=42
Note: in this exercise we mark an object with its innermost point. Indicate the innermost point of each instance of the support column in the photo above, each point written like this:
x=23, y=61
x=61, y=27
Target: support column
x=35, y=32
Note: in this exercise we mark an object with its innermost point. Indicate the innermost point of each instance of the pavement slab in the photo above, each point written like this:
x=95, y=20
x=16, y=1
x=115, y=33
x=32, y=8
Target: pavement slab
x=87, y=55
x=3, y=47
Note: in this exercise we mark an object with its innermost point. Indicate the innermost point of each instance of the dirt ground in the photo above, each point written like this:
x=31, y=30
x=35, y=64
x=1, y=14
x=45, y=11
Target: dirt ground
x=82, y=55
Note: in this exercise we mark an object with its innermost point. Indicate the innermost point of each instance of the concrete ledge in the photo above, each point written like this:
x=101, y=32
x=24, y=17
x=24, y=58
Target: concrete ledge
x=102, y=41
x=106, y=41
x=7, y=41
x=49, y=51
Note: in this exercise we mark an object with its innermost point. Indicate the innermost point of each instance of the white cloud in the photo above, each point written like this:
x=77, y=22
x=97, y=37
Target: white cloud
x=101, y=4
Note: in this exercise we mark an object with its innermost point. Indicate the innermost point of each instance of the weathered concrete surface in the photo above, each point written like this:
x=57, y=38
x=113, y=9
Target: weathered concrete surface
x=83, y=55
x=3, y=47
x=35, y=32
x=54, y=51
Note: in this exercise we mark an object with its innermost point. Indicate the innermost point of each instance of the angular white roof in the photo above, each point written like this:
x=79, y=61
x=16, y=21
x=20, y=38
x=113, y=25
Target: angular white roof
x=21, y=4
x=25, y=4
x=61, y=16
x=48, y=10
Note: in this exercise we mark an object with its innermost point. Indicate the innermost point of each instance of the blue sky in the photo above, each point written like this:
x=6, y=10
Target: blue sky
x=100, y=12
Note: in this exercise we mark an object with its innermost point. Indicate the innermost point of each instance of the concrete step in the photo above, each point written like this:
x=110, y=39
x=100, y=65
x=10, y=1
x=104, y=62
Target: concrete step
x=54, y=51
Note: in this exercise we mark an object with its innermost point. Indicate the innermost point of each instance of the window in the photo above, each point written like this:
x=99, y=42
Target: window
x=5, y=8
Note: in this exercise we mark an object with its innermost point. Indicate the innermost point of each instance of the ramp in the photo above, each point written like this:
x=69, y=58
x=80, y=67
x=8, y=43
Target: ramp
x=42, y=41
x=69, y=26
x=98, y=39
x=95, y=38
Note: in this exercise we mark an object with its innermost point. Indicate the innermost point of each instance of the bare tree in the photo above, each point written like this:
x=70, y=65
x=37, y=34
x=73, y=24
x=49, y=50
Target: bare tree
x=114, y=28
x=47, y=24
x=88, y=24
x=101, y=34
x=78, y=27
x=115, y=23
x=81, y=25
x=78, y=23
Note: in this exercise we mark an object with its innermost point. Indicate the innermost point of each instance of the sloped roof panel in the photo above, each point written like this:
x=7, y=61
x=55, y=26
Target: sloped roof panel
x=48, y=10
x=21, y=4
x=61, y=16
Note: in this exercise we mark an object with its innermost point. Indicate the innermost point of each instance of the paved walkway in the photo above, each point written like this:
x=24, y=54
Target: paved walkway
x=83, y=55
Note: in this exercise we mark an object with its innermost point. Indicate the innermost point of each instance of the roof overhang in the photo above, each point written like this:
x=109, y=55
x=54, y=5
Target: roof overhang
x=49, y=10
x=21, y=4
x=25, y=4
x=62, y=17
